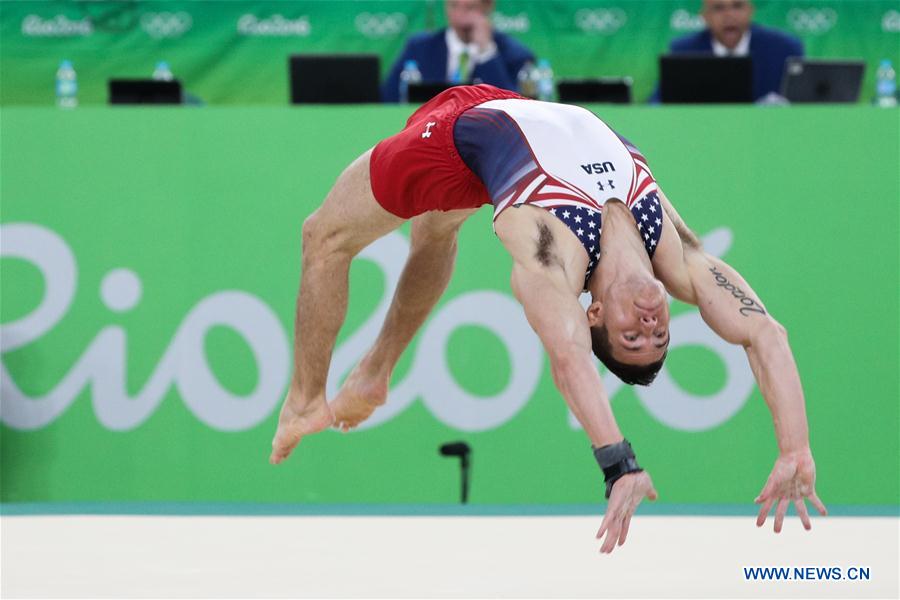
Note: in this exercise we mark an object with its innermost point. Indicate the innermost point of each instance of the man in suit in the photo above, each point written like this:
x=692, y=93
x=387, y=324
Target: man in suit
x=730, y=31
x=467, y=50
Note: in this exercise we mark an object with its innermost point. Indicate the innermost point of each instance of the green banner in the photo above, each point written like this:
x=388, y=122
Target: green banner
x=150, y=266
x=235, y=52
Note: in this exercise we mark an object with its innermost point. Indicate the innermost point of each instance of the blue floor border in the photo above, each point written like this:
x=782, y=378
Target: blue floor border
x=391, y=510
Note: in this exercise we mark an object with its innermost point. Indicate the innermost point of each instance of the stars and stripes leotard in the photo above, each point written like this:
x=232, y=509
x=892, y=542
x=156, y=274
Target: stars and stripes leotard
x=560, y=158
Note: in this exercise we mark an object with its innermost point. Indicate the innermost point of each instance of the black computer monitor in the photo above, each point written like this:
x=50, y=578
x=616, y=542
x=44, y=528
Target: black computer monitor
x=613, y=90
x=814, y=80
x=144, y=91
x=420, y=93
x=334, y=78
x=705, y=79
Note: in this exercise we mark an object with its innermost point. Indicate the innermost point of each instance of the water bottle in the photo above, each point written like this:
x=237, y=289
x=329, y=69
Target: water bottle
x=528, y=80
x=886, y=86
x=162, y=72
x=409, y=74
x=545, y=86
x=66, y=85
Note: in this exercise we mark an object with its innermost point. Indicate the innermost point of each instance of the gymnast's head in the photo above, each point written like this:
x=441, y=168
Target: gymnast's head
x=629, y=321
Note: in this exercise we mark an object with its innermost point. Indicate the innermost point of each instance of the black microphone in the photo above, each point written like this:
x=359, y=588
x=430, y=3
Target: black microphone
x=461, y=450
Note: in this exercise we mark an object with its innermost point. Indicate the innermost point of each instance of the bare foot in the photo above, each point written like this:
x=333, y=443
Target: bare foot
x=294, y=423
x=358, y=398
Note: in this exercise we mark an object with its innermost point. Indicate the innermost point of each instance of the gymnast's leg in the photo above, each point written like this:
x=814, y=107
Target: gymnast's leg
x=348, y=220
x=425, y=277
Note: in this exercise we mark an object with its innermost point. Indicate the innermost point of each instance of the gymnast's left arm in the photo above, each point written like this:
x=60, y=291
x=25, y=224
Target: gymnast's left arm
x=734, y=311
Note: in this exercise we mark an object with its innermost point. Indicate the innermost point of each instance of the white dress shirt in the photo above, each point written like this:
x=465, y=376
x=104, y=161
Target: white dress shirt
x=742, y=48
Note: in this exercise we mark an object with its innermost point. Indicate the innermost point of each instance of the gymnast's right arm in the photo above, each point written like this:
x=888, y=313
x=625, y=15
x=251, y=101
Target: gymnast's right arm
x=556, y=316
x=561, y=323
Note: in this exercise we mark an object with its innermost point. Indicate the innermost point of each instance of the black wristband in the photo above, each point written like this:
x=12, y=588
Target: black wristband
x=616, y=460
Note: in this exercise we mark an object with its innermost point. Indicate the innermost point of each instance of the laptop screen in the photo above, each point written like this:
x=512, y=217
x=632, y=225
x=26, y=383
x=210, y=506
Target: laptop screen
x=809, y=80
x=705, y=79
x=334, y=78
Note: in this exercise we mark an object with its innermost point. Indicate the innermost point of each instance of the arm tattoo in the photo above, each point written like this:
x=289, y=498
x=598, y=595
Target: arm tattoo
x=749, y=304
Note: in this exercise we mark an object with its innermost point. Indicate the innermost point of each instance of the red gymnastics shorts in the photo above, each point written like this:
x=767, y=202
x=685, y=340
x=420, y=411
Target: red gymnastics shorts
x=419, y=169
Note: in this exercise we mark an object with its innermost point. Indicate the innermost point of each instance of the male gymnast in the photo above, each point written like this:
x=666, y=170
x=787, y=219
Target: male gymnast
x=553, y=173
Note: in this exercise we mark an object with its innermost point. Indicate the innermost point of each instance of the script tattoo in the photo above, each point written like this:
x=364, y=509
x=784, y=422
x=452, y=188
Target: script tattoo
x=749, y=304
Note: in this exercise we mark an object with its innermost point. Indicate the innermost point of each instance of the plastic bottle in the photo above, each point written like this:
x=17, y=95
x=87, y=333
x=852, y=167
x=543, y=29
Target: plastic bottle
x=528, y=80
x=409, y=74
x=66, y=85
x=886, y=86
x=546, y=89
x=162, y=72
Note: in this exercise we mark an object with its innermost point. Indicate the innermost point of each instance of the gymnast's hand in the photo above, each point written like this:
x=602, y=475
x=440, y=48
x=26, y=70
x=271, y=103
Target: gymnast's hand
x=626, y=494
x=793, y=479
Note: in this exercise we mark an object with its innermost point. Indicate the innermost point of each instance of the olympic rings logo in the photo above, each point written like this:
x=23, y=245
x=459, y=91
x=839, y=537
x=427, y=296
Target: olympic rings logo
x=166, y=24
x=600, y=20
x=812, y=20
x=890, y=22
x=376, y=25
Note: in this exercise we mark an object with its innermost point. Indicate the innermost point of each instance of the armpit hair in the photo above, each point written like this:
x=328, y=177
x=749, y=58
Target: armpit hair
x=544, y=252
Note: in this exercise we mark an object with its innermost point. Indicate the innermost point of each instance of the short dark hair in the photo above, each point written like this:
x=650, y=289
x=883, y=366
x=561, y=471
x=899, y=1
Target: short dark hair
x=630, y=374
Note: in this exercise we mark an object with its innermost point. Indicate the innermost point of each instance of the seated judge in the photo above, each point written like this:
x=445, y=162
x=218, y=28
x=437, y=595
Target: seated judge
x=469, y=49
x=730, y=31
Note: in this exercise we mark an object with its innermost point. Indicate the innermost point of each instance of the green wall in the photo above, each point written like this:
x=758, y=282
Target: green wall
x=235, y=52
x=173, y=395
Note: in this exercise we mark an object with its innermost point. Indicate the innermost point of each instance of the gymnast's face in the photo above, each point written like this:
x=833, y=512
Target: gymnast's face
x=635, y=313
x=728, y=20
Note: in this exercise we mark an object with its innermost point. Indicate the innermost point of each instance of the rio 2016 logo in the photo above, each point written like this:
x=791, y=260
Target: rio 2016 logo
x=184, y=365
x=276, y=25
x=683, y=20
x=518, y=23
x=58, y=26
